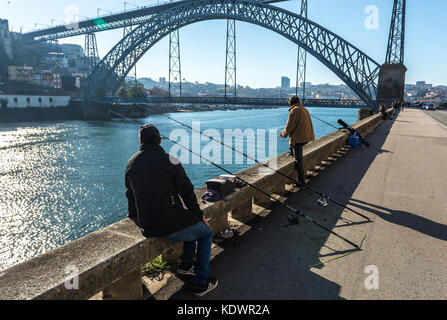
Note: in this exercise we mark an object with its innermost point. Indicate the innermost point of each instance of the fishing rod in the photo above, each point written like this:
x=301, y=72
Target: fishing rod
x=362, y=140
x=347, y=127
x=321, y=194
x=329, y=124
x=292, y=219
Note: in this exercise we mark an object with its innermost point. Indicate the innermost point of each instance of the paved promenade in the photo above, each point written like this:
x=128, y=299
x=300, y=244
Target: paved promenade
x=403, y=190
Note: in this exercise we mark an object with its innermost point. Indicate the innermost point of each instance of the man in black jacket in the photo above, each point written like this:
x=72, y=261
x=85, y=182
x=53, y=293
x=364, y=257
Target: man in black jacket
x=155, y=181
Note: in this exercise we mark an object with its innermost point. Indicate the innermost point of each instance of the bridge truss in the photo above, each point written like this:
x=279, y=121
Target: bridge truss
x=396, y=40
x=354, y=67
x=302, y=60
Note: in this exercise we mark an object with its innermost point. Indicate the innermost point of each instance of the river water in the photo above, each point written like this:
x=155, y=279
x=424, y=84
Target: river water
x=60, y=181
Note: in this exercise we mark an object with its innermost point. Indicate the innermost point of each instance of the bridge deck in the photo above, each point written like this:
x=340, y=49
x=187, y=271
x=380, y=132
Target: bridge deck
x=220, y=100
x=402, y=190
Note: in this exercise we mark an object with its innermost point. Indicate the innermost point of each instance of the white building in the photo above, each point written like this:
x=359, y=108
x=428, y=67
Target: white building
x=34, y=98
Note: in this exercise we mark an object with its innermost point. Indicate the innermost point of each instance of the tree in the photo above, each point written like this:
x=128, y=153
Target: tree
x=4, y=103
x=158, y=92
x=135, y=92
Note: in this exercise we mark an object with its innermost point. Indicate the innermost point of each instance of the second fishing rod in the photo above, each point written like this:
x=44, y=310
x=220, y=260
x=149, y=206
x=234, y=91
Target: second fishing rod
x=352, y=131
x=292, y=219
x=321, y=194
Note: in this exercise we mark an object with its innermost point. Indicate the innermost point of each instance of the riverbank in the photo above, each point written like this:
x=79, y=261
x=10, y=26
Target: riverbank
x=101, y=111
x=79, y=111
x=35, y=114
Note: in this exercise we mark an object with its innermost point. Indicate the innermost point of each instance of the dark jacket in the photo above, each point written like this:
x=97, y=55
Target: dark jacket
x=154, y=185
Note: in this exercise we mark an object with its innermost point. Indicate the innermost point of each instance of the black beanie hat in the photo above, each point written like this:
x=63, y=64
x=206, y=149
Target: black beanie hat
x=148, y=131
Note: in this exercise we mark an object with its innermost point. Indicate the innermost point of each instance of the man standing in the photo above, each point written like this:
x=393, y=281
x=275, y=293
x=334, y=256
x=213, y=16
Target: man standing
x=301, y=131
x=396, y=107
x=382, y=111
x=155, y=182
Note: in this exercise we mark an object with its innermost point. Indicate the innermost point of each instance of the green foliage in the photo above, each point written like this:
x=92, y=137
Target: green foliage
x=4, y=103
x=156, y=267
x=158, y=92
x=135, y=92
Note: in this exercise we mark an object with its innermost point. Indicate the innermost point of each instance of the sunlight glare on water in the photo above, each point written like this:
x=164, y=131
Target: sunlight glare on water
x=60, y=181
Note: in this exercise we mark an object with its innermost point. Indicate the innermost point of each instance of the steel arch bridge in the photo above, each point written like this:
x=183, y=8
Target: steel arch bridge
x=354, y=67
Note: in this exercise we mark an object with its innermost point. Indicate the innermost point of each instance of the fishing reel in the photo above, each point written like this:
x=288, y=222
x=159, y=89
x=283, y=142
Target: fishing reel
x=322, y=202
x=293, y=221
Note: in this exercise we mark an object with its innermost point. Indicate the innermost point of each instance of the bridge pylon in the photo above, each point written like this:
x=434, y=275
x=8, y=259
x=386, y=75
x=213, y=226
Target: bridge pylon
x=230, y=61
x=126, y=31
x=175, y=68
x=91, y=56
x=302, y=59
x=392, y=73
x=91, y=51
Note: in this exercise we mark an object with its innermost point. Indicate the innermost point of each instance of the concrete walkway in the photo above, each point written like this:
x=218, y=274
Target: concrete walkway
x=402, y=189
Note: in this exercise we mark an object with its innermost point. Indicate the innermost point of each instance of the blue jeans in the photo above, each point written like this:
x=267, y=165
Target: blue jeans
x=198, y=236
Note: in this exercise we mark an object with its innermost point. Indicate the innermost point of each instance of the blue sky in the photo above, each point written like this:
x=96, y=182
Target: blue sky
x=264, y=56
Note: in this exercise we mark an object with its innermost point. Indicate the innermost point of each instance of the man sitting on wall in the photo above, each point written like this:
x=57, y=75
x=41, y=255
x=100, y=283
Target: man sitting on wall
x=155, y=181
x=301, y=131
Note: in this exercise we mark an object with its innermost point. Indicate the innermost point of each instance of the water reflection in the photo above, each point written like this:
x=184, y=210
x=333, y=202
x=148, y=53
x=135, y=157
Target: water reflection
x=62, y=180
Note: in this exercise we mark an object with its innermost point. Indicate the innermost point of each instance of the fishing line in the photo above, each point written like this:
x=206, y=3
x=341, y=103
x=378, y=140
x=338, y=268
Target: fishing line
x=292, y=219
x=329, y=124
x=325, y=196
x=351, y=130
x=341, y=256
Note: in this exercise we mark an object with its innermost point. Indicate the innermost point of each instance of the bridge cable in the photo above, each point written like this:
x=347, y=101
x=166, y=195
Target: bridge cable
x=293, y=219
x=299, y=184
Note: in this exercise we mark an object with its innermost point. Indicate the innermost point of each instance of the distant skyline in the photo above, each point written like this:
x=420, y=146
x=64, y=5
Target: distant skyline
x=263, y=57
x=131, y=78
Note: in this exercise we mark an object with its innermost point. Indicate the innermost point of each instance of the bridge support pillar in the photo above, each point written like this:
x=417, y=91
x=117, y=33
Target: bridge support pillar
x=391, y=84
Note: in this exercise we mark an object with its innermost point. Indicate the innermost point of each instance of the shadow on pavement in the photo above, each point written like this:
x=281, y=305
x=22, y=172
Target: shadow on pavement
x=405, y=219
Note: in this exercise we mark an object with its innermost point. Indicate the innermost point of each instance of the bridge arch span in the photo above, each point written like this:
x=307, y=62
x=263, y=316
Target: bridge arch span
x=351, y=65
